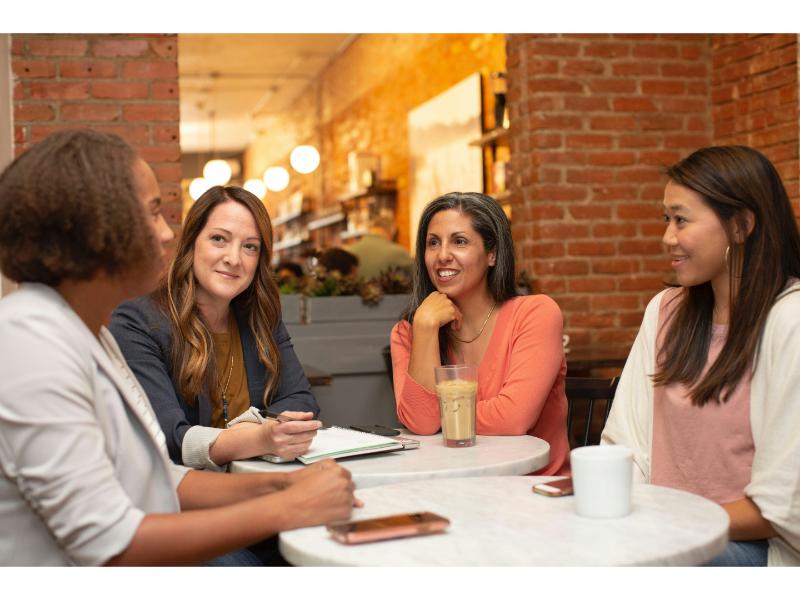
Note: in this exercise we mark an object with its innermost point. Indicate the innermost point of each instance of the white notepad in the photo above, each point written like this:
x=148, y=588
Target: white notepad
x=338, y=442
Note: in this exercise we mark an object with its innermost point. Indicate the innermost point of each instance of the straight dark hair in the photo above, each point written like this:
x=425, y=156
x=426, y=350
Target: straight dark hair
x=731, y=180
x=491, y=223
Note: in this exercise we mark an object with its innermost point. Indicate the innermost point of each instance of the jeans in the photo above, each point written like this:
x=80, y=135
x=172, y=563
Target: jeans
x=237, y=558
x=742, y=554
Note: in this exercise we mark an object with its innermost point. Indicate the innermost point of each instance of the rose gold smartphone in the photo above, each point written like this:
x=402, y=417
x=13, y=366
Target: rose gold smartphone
x=384, y=528
x=562, y=487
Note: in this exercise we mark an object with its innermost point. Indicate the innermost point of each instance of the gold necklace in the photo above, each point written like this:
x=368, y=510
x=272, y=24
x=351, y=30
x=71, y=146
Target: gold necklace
x=485, y=321
x=225, y=392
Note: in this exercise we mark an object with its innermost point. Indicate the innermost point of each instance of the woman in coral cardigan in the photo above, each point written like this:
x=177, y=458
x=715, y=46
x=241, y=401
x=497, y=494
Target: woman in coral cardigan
x=465, y=310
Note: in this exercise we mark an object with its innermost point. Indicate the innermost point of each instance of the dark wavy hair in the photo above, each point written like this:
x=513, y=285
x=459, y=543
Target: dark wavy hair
x=69, y=209
x=731, y=180
x=192, y=349
x=491, y=223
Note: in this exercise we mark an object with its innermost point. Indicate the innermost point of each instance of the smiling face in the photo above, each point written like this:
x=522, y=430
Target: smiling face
x=226, y=254
x=455, y=258
x=695, y=238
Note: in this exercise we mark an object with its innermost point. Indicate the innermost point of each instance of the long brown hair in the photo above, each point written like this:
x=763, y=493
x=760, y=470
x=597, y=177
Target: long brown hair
x=731, y=180
x=192, y=346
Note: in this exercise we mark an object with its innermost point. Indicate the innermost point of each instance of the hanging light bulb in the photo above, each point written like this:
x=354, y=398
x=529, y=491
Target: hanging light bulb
x=256, y=187
x=276, y=178
x=217, y=172
x=304, y=159
x=198, y=187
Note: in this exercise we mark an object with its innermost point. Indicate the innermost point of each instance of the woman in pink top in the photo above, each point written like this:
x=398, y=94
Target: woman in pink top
x=709, y=400
x=465, y=310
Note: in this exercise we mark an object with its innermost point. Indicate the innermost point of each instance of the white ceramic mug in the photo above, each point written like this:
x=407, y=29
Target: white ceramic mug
x=602, y=477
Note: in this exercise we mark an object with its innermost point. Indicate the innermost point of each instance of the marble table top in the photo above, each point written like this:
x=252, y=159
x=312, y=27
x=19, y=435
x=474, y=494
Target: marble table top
x=491, y=455
x=499, y=521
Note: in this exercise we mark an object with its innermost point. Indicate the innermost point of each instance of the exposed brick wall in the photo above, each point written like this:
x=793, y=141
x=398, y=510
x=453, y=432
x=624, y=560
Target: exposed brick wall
x=594, y=121
x=365, y=97
x=124, y=84
x=754, y=98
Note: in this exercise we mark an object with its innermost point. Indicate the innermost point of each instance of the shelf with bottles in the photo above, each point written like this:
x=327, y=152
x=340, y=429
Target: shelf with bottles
x=362, y=207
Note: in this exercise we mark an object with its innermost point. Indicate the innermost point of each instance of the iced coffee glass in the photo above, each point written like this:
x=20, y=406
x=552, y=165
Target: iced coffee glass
x=457, y=389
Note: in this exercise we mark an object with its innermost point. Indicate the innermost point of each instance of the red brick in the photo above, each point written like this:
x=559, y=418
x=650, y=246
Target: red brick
x=88, y=69
x=561, y=267
x=33, y=68
x=165, y=47
x=640, y=247
x=150, y=69
x=19, y=135
x=612, y=159
x=612, y=50
x=591, y=248
x=89, y=112
x=541, y=84
x=167, y=172
x=561, y=193
x=640, y=282
x=614, y=302
x=613, y=122
x=612, y=86
x=590, y=211
x=166, y=133
x=559, y=231
x=57, y=47
x=592, y=284
x=119, y=90
x=634, y=104
x=639, y=141
x=163, y=153
x=548, y=249
x=638, y=211
x=151, y=112
x=554, y=48
x=658, y=87
x=692, y=52
x=120, y=47
x=663, y=158
x=164, y=91
x=33, y=112
x=608, y=193
x=591, y=320
x=586, y=103
x=543, y=67
x=59, y=91
x=136, y=135
x=627, y=69
x=39, y=132
x=615, y=265
x=662, y=122
x=675, y=140
x=577, y=68
x=560, y=122
x=17, y=46
x=588, y=141
x=655, y=51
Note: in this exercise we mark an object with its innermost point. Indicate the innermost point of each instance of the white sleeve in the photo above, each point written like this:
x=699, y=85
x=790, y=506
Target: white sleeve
x=53, y=447
x=775, y=422
x=196, y=448
x=630, y=421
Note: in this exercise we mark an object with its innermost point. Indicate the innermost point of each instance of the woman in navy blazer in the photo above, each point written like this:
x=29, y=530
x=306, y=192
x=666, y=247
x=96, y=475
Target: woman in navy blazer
x=209, y=346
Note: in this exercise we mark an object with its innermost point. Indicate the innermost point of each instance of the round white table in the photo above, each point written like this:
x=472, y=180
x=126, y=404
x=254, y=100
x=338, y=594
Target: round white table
x=499, y=521
x=491, y=455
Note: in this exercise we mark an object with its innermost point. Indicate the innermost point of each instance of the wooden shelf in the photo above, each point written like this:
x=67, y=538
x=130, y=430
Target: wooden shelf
x=286, y=244
x=326, y=221
x=287, y=217
x=490, y=136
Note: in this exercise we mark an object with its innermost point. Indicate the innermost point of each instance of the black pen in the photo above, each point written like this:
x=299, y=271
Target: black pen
x=281, y=418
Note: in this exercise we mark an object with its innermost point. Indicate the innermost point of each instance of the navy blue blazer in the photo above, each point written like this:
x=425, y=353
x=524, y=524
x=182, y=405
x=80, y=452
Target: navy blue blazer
x=144, y=335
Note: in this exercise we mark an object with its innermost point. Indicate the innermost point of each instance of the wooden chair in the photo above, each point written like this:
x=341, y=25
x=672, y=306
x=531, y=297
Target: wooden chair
x=584, y=393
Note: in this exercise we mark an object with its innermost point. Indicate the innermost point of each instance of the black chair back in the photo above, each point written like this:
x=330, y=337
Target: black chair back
x=387, y=359
x=585, y=421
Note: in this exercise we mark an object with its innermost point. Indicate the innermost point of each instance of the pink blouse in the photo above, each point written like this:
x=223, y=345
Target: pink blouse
x=705, y=450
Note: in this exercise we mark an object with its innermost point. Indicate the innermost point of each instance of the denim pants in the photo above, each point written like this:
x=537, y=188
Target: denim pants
x=742, y=554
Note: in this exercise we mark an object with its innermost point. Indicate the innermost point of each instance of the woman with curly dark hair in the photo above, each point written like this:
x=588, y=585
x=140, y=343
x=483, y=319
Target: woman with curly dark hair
x=210, y=348
x=84, y=473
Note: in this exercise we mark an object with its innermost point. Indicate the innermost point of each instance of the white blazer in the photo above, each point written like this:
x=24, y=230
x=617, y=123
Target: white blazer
x=774, y=418
x=82, y=458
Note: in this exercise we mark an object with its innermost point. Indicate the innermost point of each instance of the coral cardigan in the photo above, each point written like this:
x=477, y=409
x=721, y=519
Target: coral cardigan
x=520, y=379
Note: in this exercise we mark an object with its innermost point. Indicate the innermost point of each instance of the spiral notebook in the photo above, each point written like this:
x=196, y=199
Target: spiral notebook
x=338, y=442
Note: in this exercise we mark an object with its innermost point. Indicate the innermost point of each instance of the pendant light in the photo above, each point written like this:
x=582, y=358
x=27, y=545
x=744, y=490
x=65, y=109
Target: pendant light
x=304, y=159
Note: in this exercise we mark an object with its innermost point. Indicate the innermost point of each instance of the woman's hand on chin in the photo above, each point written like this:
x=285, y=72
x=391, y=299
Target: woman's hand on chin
x=435, y=311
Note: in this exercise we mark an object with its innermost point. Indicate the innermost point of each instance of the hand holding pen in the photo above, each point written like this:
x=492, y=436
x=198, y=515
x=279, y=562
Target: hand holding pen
x=289, y=433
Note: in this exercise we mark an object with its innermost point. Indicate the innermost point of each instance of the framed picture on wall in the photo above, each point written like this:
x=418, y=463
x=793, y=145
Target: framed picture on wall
x=442, y=160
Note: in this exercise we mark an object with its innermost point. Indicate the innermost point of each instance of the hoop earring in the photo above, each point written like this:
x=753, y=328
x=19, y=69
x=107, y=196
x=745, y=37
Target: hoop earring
x=727, y=254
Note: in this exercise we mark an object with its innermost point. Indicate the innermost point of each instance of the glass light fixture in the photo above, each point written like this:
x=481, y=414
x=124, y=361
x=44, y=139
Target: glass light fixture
x=276, y=178
x=198, y=187
x=217, y=171
x=256, y=187
x=304, y=159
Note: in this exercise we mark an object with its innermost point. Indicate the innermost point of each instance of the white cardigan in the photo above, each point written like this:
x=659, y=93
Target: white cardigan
x=774, y=418
x=82, y=458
